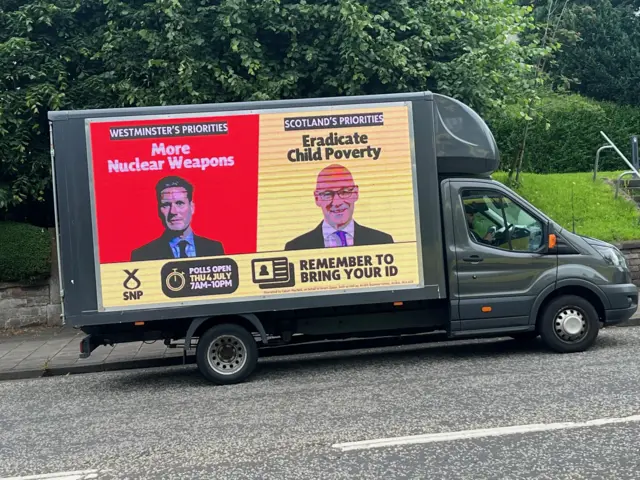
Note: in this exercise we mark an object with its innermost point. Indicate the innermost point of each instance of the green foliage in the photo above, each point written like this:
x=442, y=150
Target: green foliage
x=595, y=210
x=25, y=252
x=569, y=139
x=602, y=60
x=547, y=20
x=45, y=51
x=76, y=54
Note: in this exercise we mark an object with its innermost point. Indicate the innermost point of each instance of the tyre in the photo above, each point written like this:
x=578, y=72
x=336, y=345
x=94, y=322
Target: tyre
x=226, y=354
x=569, y=324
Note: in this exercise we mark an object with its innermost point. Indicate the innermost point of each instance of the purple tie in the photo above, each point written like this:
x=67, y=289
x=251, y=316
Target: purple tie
x=343, y=238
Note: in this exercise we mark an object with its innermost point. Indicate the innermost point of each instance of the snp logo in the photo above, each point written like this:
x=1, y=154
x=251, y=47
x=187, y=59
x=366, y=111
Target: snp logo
x=132, y=285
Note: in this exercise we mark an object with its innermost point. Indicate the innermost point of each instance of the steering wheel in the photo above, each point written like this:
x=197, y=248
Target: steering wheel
x=499, y=234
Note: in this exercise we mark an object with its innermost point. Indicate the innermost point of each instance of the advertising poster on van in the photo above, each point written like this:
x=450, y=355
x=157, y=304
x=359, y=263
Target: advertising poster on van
x=243, y=206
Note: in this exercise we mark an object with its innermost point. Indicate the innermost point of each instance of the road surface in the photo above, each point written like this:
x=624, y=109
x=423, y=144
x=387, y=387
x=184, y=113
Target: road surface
x=298, y=417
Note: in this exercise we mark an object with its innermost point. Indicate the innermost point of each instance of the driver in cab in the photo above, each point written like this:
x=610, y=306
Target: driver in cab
x=470, y=212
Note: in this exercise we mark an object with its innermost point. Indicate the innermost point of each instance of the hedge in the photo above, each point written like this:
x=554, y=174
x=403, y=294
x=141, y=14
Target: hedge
x=573, y=137
x=25, y=252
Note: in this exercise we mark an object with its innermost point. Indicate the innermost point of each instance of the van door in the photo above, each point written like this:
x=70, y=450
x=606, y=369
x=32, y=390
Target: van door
x=500, y=260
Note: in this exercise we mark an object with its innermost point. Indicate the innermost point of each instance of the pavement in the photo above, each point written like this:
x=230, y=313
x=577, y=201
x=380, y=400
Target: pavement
x=50, y=351
x=572, y=416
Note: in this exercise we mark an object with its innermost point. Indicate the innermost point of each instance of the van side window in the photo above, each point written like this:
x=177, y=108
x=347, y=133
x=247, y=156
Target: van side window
x=495, y=220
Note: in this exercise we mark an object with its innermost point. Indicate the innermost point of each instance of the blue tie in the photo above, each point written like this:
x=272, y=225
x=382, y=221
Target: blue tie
x=343, y=238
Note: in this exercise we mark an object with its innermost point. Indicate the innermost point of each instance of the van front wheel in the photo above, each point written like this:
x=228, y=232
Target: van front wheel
x=226, y=354
x=569, y=324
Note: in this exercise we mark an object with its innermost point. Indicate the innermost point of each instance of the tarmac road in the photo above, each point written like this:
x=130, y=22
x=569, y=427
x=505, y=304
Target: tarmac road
x=285, y=423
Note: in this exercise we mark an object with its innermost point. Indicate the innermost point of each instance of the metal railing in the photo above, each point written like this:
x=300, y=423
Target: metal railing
x=595, y=167
x=632, y=165
x=619, y=181
x=634, y=150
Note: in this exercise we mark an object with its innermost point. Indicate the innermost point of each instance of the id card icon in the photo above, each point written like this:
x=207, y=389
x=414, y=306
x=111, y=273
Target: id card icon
x=273, y=272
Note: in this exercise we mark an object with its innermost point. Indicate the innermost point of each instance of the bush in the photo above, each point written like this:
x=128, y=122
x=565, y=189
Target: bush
x=605, y=56
x=570, y=142
x=25, y=252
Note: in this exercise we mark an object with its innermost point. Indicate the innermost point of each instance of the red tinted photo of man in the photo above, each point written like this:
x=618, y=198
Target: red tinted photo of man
x=336, y=194
x=176, y=209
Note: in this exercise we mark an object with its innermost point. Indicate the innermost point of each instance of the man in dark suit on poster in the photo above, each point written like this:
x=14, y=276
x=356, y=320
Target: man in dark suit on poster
x=175, y=209
x=336, y=194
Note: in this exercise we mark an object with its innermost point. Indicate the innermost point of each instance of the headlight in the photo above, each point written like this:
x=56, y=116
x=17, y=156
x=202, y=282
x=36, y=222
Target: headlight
x=613, y=256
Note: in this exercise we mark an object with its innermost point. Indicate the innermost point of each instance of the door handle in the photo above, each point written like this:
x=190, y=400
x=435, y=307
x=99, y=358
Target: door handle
x=473, y=259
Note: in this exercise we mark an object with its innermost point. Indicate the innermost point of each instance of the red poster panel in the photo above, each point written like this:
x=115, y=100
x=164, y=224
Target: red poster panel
x=157, y=180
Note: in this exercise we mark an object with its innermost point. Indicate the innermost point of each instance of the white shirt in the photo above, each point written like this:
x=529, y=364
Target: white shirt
x=330, y=237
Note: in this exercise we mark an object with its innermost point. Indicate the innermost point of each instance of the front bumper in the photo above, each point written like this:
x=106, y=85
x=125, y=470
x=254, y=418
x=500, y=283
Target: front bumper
x=623, y=301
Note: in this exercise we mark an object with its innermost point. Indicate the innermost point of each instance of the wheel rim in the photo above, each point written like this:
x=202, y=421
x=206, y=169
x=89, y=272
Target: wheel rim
x=227, y=355
x=570, y=325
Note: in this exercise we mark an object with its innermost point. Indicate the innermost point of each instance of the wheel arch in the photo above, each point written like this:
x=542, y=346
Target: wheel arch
x=248, y=321
x=579, y=288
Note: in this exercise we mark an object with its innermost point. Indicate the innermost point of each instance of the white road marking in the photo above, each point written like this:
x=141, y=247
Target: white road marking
x=483, y=432
x=75, y=475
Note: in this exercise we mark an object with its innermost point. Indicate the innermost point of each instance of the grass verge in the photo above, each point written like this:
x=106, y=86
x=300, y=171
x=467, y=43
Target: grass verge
x=594, y=209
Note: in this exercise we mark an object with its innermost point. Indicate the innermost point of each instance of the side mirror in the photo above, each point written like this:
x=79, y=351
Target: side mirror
x=551, y=240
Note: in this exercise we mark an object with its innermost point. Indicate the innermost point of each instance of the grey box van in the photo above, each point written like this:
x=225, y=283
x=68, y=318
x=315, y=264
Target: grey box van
x=491, y=264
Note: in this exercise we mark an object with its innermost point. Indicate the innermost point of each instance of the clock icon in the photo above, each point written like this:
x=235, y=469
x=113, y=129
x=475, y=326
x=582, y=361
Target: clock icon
x=176, y=280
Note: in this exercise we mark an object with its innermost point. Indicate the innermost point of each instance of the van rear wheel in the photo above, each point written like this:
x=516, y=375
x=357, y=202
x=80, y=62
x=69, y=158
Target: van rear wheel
x=569, y=324
x=226, y=354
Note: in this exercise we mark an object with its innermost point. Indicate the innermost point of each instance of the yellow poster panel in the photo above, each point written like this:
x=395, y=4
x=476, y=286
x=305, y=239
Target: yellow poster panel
x=336, y=213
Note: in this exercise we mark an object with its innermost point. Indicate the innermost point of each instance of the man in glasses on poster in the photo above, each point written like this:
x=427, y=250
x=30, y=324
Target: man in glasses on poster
x=336, y=194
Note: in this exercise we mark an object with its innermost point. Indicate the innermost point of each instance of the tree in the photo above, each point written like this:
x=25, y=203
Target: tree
x=603, y=61
x=111, y=53
x=45, y=64
x=549, y=16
